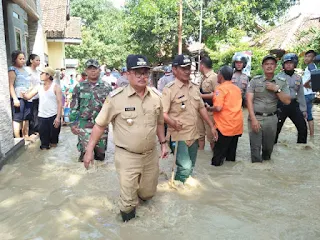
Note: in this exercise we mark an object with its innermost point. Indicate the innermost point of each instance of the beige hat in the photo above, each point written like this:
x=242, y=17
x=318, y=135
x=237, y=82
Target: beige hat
x=48, y=70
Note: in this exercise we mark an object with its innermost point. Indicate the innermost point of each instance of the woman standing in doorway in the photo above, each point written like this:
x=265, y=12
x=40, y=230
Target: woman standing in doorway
x=32, y=65
x=19, y=81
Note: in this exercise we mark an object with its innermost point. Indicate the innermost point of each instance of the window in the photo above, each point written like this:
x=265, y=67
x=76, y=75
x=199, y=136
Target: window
x=18, y=39
x=26, y=40
x=15, y=15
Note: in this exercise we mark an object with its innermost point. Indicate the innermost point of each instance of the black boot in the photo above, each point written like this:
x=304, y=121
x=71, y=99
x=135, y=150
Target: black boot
x=128, y=216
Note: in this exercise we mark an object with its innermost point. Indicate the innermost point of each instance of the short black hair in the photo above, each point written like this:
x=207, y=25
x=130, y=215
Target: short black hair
x=227, y=72
x=14, y=56
x=311, y=51
x=206, y=61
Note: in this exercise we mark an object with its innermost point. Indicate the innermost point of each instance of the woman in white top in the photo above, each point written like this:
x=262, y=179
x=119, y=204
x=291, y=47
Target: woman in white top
x=32, y=65
x=50, y=104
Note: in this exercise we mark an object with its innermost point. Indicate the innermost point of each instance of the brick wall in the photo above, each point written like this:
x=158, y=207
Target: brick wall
x=6, y=133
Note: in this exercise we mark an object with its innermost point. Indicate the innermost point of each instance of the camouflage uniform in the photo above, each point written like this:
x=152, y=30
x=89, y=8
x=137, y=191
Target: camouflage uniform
x=87, y=101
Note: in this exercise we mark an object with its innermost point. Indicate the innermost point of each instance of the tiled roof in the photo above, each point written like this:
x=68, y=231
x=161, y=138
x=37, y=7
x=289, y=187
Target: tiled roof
x=287, y=35
x=73, y=29
x=55, y=22
x=54, y=17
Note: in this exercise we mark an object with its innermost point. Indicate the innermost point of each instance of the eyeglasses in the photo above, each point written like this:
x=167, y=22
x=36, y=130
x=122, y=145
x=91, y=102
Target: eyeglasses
x=140, y=73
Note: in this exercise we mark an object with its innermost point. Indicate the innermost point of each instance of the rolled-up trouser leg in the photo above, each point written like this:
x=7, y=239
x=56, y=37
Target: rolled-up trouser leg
x=184, y=162
x=149, y=176
x=255, y=143
x=129, y=168
x=269, y=132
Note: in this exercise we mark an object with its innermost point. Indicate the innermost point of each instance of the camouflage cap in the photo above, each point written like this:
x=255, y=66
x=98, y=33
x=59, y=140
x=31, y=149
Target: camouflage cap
x=92, y=62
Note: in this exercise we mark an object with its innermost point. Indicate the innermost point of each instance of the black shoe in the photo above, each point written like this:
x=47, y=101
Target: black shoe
x=128, y=216
x=81, y=157
x=44, y=147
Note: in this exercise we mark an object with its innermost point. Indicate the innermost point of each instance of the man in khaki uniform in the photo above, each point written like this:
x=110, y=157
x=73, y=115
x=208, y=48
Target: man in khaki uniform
x=207, y=87
x=263, y=94
x=182, y=105
x=136, y=114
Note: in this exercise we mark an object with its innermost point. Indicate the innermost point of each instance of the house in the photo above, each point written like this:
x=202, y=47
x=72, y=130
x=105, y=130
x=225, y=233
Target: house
x=20, y=28
x=301, y=17
x=42, y=27
x=60, y=29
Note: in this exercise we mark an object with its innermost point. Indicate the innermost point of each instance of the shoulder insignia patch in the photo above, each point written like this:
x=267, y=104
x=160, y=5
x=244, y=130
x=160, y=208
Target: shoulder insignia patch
x=117, y=91
x=256, y=77
x=281, y=78
x=170, y=84
x=156, y=91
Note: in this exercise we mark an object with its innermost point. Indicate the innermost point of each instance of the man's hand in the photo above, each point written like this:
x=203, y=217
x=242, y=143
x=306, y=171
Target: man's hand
x=177, y=125
x=56, y=122
x=164, y=151
x=272, y=86
x=16, y=102
x=215, y=134
x=255, y=125
x=305, y=115
x=75, y=130
x=87, y=158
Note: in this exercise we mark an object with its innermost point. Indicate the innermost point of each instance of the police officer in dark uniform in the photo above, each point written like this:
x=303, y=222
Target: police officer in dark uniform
x=239, y=62
x=297, y=109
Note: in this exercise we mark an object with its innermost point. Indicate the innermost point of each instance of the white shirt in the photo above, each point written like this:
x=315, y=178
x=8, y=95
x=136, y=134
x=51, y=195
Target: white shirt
x=109, y=79
x=34, y=80
x=305, y=78
x=48, y=105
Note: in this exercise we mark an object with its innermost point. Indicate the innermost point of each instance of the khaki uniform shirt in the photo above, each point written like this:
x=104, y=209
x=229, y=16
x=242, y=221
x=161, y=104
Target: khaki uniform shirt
x=296, y=89
x=182, y=102
x=134, y=119
x=265, y=101
x=241, y=80
x=209, y=82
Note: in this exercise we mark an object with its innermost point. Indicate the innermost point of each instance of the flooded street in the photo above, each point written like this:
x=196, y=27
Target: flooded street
x=49, y=195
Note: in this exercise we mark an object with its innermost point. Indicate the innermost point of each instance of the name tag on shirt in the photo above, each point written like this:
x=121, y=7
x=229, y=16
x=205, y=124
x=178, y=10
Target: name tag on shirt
x=181, y=97
x=130, y=109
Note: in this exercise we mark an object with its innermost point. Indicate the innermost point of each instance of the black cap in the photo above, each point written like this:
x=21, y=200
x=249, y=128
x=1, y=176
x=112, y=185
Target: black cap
x=92, y=62
x=181, y=60
x=269, y=57
x=137, y=61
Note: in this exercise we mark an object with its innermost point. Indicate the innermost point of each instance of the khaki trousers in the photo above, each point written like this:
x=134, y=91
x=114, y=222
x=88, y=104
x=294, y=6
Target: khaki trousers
x=138, y=176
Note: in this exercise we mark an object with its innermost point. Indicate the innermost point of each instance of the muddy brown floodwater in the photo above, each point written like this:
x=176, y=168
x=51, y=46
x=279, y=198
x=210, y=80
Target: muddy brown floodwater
x=49, y=195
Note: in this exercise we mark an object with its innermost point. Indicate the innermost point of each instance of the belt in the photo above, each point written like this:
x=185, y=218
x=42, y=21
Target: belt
x=135, y=152
x=265, y=114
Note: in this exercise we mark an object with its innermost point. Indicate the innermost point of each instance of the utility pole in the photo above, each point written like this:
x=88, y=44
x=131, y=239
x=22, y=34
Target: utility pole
x=180, y=29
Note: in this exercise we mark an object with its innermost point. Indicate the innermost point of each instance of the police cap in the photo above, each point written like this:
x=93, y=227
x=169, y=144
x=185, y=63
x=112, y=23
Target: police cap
x=269, y=57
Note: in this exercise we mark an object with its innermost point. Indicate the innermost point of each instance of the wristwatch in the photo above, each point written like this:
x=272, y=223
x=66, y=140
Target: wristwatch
x=278, y=91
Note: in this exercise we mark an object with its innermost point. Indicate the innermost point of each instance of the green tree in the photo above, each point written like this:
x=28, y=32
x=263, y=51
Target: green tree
x=153, y=29
x=103, y=37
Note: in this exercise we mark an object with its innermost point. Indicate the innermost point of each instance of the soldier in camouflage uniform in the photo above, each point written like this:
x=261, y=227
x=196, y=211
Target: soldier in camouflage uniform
x=87, y=100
